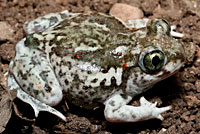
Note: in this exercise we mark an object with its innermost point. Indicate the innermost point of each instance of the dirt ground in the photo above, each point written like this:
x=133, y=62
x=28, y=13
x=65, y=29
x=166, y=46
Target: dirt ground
x=182, y=90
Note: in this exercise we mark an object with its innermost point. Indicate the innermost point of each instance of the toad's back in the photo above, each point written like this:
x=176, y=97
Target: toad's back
x=89, y=54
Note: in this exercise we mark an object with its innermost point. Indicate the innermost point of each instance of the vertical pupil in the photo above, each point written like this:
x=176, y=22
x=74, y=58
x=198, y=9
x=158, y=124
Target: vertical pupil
x=155, y=61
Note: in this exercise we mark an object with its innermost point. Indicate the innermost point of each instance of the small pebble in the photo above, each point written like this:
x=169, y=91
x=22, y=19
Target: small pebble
x=7, y=51
x=6, y=32
x=197, y=85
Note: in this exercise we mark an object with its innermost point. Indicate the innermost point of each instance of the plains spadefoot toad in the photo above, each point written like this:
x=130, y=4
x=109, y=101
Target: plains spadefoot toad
x=94, y=59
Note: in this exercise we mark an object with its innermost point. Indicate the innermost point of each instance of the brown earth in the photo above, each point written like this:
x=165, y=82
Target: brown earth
x=182, y=90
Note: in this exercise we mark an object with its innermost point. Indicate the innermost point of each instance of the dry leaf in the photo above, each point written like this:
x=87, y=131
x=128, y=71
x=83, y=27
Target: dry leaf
x=5, y=109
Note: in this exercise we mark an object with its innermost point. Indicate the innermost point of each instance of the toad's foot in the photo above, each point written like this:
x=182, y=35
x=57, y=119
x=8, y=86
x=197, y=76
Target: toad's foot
x=35, y=104
x=116, y=110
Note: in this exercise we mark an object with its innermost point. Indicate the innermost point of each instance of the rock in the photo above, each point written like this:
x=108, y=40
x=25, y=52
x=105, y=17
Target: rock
x=3, y=72
x=38, y=130
x=149, y=5
x=189, y=74
x=94, y=129
x=197, y=61
x=162, y=131
x=87, y=9
x=6, y=32
x=189, y=86
x=193, y=6
x=192, y=101
x=126, y=12
x=197, y=85
x=81, y=124
x=190, y=50
x=7, y=51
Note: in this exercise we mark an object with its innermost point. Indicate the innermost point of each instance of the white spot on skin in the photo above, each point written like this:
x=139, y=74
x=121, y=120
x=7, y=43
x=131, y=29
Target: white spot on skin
x=84, y=47
x=21, y=48
x=169, y=66
x=50, y=36
x=103, y=27
x=138, y=23
x=68, y=14
x=38, y=36
x=120, y=49
x=149, y=77
x=60, y=37
x=172, y=66
x=88, y=66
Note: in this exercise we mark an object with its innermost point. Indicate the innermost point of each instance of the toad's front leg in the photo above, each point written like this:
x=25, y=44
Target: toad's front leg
x=34, y=78
x=117, y=110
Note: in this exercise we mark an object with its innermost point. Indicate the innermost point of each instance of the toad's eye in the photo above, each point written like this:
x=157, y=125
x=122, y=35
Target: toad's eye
x=152, y=61
x=160, y=27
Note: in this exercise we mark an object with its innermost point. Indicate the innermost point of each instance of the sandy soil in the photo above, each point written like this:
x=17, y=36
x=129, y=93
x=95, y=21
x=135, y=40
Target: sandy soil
x=182, y=90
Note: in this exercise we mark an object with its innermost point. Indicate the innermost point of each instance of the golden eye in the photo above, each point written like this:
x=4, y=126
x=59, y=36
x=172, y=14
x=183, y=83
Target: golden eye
x=152, y=61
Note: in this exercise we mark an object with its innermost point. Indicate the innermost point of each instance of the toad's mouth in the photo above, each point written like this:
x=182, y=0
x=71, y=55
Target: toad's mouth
x=165, y=75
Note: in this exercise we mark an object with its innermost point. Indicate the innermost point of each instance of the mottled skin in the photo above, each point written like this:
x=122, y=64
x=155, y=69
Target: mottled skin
x=96, y=59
